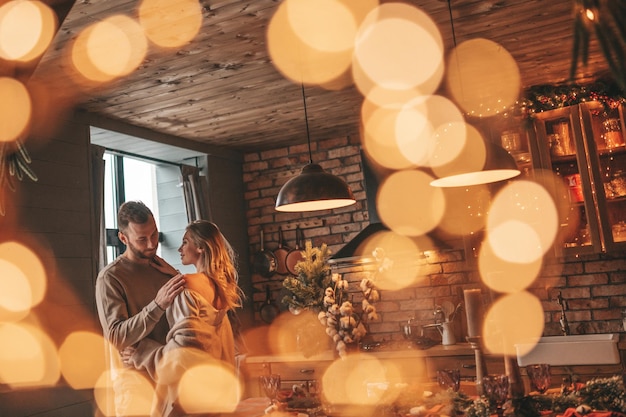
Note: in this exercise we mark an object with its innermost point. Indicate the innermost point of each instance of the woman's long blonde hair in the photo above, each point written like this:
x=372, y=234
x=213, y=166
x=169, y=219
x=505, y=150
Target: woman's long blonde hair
x=217, y=261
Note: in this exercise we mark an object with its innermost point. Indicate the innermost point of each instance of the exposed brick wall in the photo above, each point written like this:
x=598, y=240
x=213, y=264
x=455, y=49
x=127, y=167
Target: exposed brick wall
x=593, y=285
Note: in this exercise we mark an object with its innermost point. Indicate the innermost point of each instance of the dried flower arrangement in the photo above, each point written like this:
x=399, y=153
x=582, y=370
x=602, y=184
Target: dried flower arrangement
x=316, y=288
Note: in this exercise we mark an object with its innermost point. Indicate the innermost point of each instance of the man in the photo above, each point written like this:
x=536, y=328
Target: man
x=131, y=297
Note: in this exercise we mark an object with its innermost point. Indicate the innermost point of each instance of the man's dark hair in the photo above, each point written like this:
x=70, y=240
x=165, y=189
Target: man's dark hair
x=132, y=212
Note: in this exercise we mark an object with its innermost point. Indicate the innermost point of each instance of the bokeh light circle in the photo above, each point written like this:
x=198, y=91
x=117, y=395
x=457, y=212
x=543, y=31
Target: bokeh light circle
x=512, y=319
x=24, y=268
x=82, y=356
x=483, y=77
x=379, y=136
x=209, y=388
x=138, y=394
x=15, y=109
x=28, y=356
x=401, y=267
x=170, y=23
x=460, y=149
x=398, y=46
x=109, y=49
x=419, y=128
x=325, y=25
x=504, y=276
x=345, y=380
x=301, y=62
x=523, y=222
x=407, y=203
x=26, y=29
x=466, y=209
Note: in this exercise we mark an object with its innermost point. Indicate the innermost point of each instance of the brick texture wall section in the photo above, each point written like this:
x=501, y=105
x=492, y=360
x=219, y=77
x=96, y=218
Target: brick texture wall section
x=594, y=286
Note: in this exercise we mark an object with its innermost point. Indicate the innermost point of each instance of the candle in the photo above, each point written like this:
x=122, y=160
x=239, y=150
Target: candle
x=474, y=311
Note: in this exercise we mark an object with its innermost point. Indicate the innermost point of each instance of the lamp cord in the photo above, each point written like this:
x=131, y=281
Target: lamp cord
x=452, y=23
x=306, y=121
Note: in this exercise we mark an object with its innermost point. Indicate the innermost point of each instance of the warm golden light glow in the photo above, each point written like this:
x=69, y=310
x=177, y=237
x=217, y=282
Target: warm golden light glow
x=170, y=23
x=345, y=380
x=398, y=47
x=505, y=324
x=483, y=77
x=382, y=95
x=466, y=209
x=460, y=149
x=379, y=136
x=138, y=397
x=28, y=357
x=506, y=276
x=407, y=203
x=325, y=25
x=403, y=267
x=569, y=221
x=15, y=109
x=109, y=49
x=15, y=290
x=24, y=280
x=280, y=335
x=26, y=29
x=209, y=388
x=82, y=359
x=523, y=222
x=297, y=60
x=419, y=128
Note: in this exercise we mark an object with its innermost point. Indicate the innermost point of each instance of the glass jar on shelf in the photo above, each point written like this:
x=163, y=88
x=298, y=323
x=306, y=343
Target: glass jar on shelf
x=612, y=133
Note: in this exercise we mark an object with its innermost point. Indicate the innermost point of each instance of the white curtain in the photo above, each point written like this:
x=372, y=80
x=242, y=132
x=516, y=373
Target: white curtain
x=195, y=191
x=97, y=183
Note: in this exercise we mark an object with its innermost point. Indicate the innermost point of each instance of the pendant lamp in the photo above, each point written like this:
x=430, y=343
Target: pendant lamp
x=499, y=164
x=314, y=189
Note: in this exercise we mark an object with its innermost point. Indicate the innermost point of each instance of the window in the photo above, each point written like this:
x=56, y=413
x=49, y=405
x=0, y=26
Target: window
x=150, y=171
x=158, y=186
x=126, y=179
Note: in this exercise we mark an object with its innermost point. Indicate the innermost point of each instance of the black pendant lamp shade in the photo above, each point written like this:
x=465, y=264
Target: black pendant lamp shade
x=314, y=189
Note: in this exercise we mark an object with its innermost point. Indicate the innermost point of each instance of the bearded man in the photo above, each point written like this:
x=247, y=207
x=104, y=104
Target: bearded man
x=131, y=298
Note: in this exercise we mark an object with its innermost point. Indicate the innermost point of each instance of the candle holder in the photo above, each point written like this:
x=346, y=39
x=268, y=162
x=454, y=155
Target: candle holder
x=516, y=385
x=481, y=366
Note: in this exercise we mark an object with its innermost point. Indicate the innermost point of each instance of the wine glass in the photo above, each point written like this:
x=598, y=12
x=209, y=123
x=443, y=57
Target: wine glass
x=271, y=385
x=496, y=389
x=449, y=379
x=539, y=375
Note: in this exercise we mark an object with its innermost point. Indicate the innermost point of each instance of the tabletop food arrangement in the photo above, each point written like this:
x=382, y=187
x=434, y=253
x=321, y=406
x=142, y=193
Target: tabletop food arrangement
x=449, y=396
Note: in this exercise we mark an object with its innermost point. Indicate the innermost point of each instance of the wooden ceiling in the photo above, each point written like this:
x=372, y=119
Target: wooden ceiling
x=222, y=88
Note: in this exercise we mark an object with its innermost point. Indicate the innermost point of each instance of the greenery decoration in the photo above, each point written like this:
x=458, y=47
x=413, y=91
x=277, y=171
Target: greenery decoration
x=601, y=394
x=306, y=290
x=315, y=288
x=550, y=96
x=546, y=97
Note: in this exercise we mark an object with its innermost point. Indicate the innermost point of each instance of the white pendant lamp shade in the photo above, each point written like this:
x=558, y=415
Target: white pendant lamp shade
x=499, y=166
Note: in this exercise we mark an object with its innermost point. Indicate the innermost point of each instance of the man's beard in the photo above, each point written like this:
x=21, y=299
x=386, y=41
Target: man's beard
x=147, y=254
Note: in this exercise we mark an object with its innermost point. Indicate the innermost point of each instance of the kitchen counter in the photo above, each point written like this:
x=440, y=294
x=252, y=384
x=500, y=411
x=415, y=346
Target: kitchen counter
x=459, y=349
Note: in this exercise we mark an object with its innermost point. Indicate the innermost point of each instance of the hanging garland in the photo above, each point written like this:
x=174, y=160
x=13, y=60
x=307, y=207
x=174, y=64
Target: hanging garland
x=549, y=97
x=546, y=97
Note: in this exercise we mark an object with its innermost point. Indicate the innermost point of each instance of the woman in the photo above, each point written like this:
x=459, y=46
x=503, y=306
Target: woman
x=200, y=330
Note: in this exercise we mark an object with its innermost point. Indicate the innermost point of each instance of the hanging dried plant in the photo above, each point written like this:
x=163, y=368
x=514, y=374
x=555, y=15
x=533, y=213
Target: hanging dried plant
x=14, y=163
